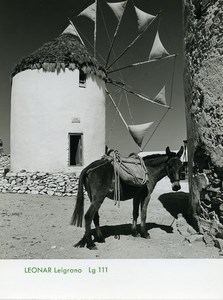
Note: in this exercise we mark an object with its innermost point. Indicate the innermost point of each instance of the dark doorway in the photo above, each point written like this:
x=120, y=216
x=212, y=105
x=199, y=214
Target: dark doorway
x=75, y=149
x=82, y=79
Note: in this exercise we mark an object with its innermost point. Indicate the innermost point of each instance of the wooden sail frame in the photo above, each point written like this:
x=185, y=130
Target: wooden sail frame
x=162, y=55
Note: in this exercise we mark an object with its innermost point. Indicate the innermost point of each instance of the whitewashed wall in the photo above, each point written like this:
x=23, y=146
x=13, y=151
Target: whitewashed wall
x=43, y=108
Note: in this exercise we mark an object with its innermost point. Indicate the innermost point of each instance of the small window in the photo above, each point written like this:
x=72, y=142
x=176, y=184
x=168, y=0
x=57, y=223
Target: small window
x=75, y=149
x=82, y=79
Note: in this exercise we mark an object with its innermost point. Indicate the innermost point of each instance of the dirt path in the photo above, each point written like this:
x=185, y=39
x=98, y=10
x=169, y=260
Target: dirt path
x=37, y=227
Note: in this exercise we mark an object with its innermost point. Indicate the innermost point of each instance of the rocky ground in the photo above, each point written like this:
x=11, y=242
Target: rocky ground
x=37, y=227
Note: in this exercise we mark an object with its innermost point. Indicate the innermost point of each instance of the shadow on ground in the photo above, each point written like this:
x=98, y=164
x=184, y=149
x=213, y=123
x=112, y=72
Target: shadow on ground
x=174, y=203
x=126, y=229
x=177, y=203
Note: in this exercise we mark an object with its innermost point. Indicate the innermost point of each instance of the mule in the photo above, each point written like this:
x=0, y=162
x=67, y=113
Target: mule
x=98, y=180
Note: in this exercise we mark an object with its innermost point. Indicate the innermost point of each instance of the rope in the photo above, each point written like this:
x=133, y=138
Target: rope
x=117, y=164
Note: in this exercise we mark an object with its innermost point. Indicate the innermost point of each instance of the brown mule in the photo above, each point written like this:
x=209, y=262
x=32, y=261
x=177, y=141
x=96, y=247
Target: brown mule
x=98, y=179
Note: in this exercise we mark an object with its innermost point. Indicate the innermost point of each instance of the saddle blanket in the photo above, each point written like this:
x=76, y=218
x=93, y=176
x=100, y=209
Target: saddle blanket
x=131, y=170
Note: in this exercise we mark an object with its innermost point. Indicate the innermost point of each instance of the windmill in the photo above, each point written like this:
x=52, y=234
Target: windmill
x=59, y=92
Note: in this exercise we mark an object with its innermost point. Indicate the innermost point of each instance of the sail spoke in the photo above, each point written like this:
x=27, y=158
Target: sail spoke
x=140, y=63
x=138, y=131
x=138, y=94
x=116, y=107
x=132, y=43
x=118, y=9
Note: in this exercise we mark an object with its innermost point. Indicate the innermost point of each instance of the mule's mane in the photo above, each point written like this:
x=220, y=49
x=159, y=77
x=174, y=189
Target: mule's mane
x=153, y=159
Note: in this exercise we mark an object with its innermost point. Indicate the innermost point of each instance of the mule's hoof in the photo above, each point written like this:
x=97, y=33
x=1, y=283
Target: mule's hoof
x=135, y=234
x=92, y=247
x=145, y=235
x=101, y=240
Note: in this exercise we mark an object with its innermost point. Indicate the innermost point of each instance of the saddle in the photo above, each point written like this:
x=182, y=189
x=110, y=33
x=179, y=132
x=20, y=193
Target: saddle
x=131, y=170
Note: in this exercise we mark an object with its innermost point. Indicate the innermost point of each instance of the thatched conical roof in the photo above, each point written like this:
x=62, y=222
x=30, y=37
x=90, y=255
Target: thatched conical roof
x=66, y=51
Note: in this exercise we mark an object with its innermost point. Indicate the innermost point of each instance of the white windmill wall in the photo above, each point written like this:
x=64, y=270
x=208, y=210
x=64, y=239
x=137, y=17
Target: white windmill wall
x=44, y=106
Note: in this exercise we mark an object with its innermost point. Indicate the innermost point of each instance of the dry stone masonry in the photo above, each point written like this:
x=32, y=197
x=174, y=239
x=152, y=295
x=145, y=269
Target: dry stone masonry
x=203, y=76
x=37, y=183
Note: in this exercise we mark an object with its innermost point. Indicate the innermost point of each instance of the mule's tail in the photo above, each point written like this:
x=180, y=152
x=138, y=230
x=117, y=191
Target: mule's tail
x=78, y=213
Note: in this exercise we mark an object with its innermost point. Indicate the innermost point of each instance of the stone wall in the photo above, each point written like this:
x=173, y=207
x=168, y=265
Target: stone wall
x=203, y=77
x=58, y=184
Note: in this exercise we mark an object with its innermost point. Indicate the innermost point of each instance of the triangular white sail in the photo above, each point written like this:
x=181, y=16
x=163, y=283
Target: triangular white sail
x=72, y=30
x=158, y=51
x=138, y=132
x=143, y=19
x=161, y=96
x=89, y=12
x=118, y=8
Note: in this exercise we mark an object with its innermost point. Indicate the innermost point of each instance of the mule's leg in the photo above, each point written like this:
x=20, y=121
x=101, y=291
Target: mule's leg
x=95, y=205
x=136, y=201
x=99, y=235
x=144, y=204
x=87, y=239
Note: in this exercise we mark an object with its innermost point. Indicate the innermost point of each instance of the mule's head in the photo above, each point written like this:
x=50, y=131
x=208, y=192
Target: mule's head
x=174, y=166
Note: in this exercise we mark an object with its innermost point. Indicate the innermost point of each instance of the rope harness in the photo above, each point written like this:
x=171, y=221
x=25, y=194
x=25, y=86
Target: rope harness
x=131, y=170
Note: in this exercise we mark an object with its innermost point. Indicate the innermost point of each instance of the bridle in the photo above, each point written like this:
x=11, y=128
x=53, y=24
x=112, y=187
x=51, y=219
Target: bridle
x=168, y=171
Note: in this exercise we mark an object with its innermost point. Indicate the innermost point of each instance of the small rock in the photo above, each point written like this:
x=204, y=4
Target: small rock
x=191, y=230
x=51, y=193
x=209, y=239
x=10, y=174
x=60, y=179
x=34, y=192
x=194, y=238
x=58, y=194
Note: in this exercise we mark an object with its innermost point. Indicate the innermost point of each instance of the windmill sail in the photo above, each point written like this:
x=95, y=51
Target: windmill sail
x=143, y=19
x=118, y=8
x=71, y=29
x=158, y=51
x=138, y=132
x=89, y=12
x=161, y=96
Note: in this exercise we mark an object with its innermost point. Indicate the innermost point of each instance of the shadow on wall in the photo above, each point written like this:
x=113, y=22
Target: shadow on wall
x=177, y=203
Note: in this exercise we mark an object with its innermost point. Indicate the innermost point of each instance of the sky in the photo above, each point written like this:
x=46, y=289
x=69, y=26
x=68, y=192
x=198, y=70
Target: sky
x=25, y=25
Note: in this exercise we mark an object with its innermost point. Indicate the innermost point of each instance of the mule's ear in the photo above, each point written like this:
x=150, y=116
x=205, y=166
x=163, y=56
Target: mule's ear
x=168, y=152
x=180, y=152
